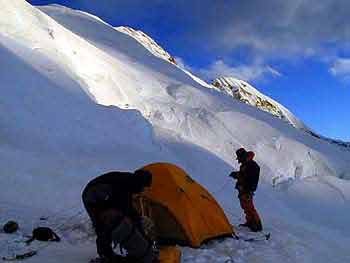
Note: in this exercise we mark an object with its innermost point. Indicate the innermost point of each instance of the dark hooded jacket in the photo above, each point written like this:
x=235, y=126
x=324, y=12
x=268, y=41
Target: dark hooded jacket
x=114, y=191
x=248, y=175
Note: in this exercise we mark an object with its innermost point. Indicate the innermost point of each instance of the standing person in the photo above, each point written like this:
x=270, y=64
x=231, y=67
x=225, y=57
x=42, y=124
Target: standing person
x=108, y=202
x=247, y=181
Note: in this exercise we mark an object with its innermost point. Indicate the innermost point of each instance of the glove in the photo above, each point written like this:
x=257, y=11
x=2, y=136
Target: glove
x=234, y=174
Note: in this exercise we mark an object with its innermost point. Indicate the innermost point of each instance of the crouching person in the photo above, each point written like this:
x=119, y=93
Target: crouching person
x=108, y=202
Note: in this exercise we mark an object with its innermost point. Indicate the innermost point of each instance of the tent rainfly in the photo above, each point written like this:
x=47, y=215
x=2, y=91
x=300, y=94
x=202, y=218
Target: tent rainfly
x=182, y=211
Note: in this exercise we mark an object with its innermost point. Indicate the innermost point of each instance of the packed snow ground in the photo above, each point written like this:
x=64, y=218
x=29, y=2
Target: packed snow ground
x=79, y=98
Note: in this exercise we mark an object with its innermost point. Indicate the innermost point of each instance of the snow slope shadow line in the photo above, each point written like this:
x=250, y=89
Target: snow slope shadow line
x=115, y=40
x=37, y=88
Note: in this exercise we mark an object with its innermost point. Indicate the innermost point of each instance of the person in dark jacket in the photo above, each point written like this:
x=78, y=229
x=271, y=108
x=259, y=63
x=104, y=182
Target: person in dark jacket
x=108, y=202
x=247, y=182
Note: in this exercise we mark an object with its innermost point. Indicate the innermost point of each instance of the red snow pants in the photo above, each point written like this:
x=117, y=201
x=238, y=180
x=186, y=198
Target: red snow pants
x=252, y=217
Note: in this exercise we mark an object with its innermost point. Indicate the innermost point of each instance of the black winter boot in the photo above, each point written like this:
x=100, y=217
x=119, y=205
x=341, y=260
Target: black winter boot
x=256, y=228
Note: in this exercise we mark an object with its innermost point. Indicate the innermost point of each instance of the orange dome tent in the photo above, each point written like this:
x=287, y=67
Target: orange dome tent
x=183, y=212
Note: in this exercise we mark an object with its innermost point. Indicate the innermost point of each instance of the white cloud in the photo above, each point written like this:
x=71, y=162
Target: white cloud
x=248, y=73
x=341, y=68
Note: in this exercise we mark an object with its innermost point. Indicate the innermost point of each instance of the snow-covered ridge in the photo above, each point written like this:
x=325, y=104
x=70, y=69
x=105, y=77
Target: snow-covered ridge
x=340, y=143
x=151, y=45
x=330, y=140
x=147, y=42
x=245, y=92
x=239, y=89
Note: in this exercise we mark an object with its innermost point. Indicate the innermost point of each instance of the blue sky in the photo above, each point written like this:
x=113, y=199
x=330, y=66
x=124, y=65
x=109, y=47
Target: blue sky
x=297, y=52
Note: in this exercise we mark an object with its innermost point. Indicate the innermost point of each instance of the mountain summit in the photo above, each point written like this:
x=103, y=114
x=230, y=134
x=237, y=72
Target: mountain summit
x=245, y=92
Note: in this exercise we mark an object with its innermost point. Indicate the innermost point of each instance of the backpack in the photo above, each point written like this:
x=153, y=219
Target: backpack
x=43, y=234
x=10, y=227
x=254, y=176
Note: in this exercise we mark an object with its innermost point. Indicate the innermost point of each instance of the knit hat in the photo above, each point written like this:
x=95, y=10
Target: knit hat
x=241, y=153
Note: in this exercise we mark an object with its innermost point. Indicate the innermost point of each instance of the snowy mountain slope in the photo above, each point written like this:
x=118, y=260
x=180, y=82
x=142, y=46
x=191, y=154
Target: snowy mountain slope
x=45, y=118
x=246, y=93
x=105, y=39
x=147, y=42
x=243, y=91
x=236, y=88
x=334, y=141
x=58, y=75
x=157, y=50
x=179, y=89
